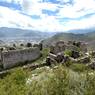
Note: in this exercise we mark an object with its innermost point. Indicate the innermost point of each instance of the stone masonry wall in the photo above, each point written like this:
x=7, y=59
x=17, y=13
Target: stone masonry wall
x=12, y=58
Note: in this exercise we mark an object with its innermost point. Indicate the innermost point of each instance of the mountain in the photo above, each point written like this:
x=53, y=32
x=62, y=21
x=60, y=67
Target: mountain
x=15, y=33
x=87, y=37
x=81, y=31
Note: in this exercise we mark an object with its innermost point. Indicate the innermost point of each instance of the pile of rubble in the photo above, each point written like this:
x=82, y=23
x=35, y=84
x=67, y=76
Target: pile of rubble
x=78, y=54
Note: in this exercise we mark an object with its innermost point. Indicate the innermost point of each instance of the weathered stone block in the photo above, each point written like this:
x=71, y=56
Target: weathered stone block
x=52, y=55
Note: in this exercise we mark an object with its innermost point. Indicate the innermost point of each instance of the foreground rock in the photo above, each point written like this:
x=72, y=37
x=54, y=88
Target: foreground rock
x=84, y=60
x=75, y=54
x=92, y=65
x=93, y=54
x=50, y=61
x=59, y=57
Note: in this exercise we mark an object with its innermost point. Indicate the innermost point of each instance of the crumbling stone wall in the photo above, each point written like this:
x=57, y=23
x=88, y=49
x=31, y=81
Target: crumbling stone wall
x=61, y=46
x=57, y=47
x=12, y=58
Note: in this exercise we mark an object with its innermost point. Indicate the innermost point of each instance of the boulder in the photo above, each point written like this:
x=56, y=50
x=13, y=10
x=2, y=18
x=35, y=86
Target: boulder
x=52, y=55
x=11, y=48
x=50, y=61
x=75, y=54
x=93, y=54
x=78, y=44
x=66, y=59
x=59, y=57
x=84, y=60
x=73, y=60
x=92, y=65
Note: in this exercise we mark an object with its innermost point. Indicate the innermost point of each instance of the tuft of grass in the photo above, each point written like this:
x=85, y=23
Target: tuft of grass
x=78, y=67
x=68, y=52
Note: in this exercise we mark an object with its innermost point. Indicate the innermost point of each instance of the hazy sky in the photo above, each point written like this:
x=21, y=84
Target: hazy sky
x=47, y=15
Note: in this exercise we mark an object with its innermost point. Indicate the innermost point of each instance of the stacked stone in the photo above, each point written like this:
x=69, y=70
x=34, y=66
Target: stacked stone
x=57, y=53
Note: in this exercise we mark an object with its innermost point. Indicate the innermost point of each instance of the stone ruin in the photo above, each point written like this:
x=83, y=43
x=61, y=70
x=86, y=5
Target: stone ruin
x=61, y=46
x=58, y=49
x=12, y=58
x=79, y=54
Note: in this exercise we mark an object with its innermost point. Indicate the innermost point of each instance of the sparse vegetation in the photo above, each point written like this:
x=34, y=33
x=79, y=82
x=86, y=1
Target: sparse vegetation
x=45, y=52
x=58, y=80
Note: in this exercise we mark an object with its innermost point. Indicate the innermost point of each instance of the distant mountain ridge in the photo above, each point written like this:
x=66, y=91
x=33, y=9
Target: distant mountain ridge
x=15, y=32
x=81, y=31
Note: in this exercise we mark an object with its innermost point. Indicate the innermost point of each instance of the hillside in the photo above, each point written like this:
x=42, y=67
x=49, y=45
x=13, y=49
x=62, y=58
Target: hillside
x=15, y=32
x=87, y=37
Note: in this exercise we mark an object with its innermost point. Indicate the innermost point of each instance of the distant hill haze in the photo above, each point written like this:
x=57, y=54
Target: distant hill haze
x=15, y=32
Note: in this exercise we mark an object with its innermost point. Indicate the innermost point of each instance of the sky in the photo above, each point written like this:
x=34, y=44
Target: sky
x=48, y=15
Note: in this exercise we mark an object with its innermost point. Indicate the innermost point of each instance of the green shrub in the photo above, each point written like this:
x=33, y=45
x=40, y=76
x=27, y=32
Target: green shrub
x=14, y=83
x=68, y=52
x=68, y=63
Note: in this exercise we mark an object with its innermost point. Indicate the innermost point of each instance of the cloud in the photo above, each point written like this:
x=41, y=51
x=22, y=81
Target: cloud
x=80, y=8
x=35, y=7
x=16, y=19
x=11, y=18
x=49, y=15
x=26, y=5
